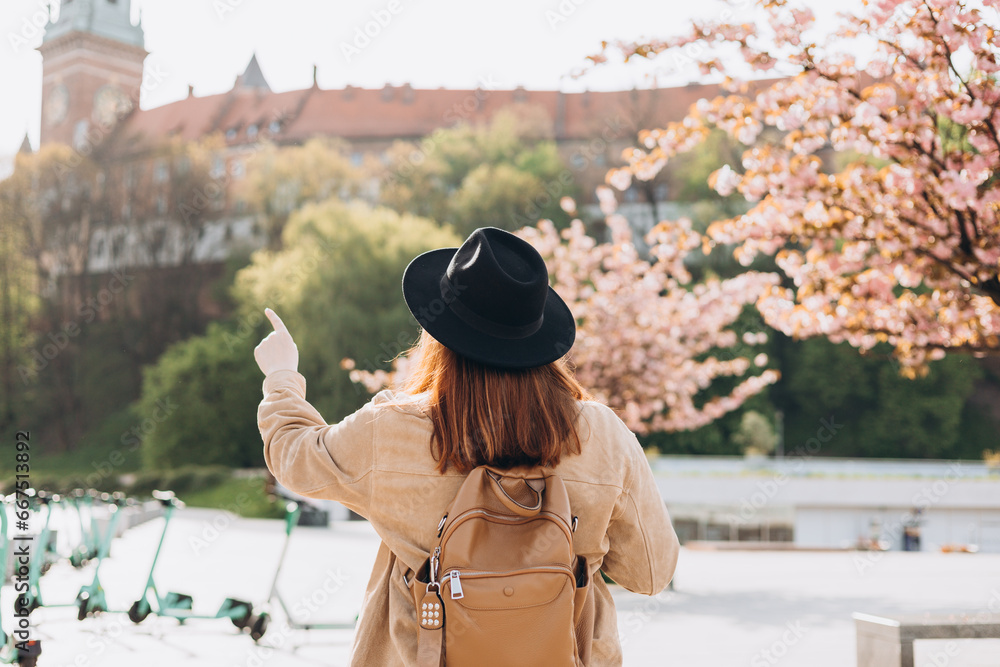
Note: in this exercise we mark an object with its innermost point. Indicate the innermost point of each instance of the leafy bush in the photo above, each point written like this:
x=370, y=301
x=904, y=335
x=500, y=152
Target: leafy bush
x=199, y=403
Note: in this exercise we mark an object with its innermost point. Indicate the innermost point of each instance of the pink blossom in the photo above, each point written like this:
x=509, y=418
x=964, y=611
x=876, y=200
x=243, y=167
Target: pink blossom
x=724, y=180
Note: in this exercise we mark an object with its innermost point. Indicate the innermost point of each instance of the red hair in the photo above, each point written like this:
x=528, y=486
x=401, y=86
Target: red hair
x=492, y=416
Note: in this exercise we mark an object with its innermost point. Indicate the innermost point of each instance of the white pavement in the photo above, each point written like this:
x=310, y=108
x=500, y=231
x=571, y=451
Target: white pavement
x=729, y=608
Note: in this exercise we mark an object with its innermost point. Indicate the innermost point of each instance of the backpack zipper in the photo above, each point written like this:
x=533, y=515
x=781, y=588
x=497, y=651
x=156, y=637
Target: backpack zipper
x=483, y=573
x=454, y=576
x=456, y=585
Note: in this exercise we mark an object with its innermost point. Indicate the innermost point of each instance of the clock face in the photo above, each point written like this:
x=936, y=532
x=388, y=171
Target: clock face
x=110, y=104
x=56, y=105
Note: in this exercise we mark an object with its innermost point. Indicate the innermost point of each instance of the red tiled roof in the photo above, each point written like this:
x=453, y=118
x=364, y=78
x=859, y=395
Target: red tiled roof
x=404, y=112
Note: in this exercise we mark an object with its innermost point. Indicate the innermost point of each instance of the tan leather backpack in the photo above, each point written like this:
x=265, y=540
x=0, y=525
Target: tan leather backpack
x=503, y=586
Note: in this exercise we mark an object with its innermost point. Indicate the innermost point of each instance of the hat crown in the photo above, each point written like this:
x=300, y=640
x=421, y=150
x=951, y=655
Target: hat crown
x=490, y=301
x=500, y=278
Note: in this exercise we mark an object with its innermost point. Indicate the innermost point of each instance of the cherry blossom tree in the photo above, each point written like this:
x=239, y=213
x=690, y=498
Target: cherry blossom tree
x=649, y=342
x=900, y=244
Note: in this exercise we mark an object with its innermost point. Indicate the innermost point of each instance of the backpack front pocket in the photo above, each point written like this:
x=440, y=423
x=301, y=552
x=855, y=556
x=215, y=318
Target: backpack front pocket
x=513, y=612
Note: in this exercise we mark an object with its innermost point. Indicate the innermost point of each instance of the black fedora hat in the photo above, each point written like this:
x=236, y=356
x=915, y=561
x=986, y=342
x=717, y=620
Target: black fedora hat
x=490, y=300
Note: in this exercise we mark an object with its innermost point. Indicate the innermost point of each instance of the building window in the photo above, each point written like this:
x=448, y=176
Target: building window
x=183, y=164
x=238, y=169
x=218, y=167
x=80, y=134
x=161, y=205
x=252, y=132
x=230, y=134
x=274, y=127
x=631, y=195
x=161, y=172
x=578, y=161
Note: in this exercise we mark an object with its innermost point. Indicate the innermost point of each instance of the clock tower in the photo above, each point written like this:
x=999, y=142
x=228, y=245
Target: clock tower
x=92, y=59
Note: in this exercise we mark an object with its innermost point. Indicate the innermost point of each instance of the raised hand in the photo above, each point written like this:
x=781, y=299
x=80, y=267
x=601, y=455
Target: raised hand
x=277, y=352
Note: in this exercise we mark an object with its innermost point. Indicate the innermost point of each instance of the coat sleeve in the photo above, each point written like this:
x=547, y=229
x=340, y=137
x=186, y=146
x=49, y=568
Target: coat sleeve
x=643, y=546
x=309, y=456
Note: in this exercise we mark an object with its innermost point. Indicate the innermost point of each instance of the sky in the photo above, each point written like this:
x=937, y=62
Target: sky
x=426, y=43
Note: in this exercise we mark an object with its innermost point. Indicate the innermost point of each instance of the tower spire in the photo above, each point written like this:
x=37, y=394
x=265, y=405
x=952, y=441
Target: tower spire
x=112, y=20
x=253, y=77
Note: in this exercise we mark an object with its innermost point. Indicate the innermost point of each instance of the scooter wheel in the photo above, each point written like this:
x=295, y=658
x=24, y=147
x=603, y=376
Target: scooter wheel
x=136, y=615
x=259, y=626
x=243, y=621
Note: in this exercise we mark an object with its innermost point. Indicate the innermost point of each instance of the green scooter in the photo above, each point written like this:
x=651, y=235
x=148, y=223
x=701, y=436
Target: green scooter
x=259, y=626
x=86, y=549
x=24, y=654
x=41, y=562
x=178, y=605
x=91, y=601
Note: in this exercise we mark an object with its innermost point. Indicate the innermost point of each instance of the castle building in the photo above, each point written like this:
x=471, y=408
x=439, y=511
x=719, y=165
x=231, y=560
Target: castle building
x=93, y=81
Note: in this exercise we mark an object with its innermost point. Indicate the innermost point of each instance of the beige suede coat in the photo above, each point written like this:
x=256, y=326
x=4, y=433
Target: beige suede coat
x=378, y=463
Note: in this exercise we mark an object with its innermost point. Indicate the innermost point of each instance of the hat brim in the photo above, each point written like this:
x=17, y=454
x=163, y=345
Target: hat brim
x=422, y=293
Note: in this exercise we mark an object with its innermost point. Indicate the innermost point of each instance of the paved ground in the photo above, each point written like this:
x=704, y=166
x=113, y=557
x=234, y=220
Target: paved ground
x=755, y=609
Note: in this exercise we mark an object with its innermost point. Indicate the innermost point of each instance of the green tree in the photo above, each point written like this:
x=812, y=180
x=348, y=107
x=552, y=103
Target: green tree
x=756, y=435
x=281, y=179
x=199, y=403
x=505, y=174
x=18, y=304
x=881, y=413
x=336, y=284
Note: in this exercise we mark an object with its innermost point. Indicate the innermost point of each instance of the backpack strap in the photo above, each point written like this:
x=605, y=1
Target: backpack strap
x=430, y=636
x=426, y=590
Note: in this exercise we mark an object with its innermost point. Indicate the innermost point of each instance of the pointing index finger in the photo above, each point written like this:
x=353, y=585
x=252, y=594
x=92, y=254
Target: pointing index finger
x=275, y=320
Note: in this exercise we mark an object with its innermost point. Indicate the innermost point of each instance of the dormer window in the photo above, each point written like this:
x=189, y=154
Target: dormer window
x=274, y=127
x=230, y=134
x=252, y=132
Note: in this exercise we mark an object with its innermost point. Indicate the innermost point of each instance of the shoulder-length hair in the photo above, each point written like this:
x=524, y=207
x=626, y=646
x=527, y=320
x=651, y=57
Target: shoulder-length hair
x=484, y=415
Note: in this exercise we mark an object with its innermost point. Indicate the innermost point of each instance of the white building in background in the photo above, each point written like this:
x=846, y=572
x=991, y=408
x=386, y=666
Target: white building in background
x=832, y=503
